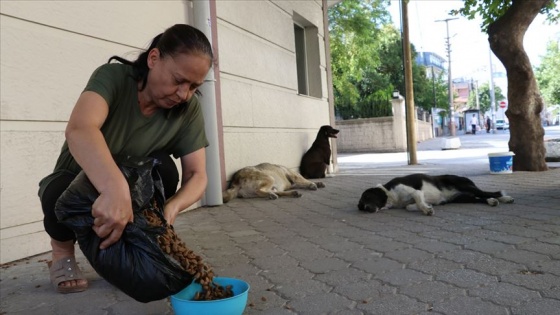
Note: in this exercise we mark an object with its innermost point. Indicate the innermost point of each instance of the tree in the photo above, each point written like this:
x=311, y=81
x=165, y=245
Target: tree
x=484, y=99
x=430, y=92
x=505, y=22
x=366, y=58
x=548, y=74
x=354, y=38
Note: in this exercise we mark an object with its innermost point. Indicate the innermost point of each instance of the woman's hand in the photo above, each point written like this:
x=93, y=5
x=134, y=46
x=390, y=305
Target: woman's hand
x=193, y=184
x=112, y=211
x=170, y=213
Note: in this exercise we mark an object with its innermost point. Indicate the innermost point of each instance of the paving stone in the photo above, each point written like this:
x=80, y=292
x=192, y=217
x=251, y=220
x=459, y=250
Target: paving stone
x=320, y=304
x=538, y=307
x=436, y=246
x=280, y=262
x=435, y=266
x=464, y=256
x=510, y=239
x=378, y=265
x=361, y=291
x=287, y=275
x=517, y=231
x=522, y=256
x=358, y=254
x=548, y=267
x=403, y=277
x=343, y=276
x=271, y=311
x=530, y=280
x=432, y=292
x=262, y=249
x=550, y=240
x=553, y=292
x=387, y=246
x=299, y=290
x=504, y=294
x=402, y=236
x=324, y=265
x=393, y=304
x=260, y=300
x=551, y=250
x=488, y=247
x=409, y=255
x=495, y=266
x=466, y=278
x=469, y=305
x=336, y=244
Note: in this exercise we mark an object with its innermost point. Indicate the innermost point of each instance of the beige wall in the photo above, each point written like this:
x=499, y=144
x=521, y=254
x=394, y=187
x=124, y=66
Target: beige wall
x=264, y=118
x=380, y=134
x=48, y=51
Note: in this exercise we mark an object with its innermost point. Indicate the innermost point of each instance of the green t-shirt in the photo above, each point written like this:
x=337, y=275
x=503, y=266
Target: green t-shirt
x=127, y=131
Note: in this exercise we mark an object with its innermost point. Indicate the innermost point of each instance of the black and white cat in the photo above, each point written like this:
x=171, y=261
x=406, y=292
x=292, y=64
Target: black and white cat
x=423, y=191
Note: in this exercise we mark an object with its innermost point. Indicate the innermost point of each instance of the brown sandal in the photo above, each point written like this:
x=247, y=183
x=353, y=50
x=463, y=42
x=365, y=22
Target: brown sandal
x=66, y=269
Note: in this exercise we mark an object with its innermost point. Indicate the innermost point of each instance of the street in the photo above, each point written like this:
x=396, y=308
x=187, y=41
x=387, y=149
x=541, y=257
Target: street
x=473, y=151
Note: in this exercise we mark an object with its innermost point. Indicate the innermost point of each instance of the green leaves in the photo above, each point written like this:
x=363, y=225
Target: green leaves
x=366, y=59
x=548, y=74
x=491, y=10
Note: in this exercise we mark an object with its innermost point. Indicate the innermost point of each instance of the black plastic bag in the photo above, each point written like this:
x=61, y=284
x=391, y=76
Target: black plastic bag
x=135, y=263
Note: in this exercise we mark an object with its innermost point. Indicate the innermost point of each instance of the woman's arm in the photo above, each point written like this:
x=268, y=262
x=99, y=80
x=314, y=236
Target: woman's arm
x=193, y=184
x=112, y=210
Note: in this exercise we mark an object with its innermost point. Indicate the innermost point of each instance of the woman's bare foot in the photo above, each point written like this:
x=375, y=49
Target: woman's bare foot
x=61, y=250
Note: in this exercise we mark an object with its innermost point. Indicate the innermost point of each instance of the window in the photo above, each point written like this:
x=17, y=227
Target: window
x=307, y=57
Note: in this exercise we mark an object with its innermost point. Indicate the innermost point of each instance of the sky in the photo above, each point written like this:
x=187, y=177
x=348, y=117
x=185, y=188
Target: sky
x=470, y=52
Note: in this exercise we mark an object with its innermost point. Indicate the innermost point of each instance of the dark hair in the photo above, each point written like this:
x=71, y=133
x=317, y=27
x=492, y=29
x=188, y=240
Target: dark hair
x=178, y=39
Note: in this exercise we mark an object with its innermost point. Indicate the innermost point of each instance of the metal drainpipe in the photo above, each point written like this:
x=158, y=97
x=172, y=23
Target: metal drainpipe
x=213, y=195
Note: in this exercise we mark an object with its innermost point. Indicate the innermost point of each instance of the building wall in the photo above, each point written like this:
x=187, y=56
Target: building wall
x=366, y=135
x=264, y=118
x=375, y=135
x=380, y=134
x=48, y=51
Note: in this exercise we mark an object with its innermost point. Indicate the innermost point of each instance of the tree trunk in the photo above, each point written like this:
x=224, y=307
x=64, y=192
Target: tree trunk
x=525, y=103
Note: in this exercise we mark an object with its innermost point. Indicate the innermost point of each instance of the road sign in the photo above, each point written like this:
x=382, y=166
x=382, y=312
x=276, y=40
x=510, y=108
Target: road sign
x=503, y=104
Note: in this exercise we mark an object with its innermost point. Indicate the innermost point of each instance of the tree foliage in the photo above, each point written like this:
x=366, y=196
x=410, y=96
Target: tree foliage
x=366, y=54
x=491, y=10
x=484, y=99
x=548, y=74
x=354, y=39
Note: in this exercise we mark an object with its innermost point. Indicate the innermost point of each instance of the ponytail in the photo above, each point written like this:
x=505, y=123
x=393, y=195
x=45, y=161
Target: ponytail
x=140, y=65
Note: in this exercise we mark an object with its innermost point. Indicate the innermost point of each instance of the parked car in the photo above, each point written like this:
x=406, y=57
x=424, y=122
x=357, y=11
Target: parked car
x=501, y=124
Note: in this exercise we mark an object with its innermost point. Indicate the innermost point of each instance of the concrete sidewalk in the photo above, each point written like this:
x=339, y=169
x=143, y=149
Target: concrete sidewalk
x=319, y=255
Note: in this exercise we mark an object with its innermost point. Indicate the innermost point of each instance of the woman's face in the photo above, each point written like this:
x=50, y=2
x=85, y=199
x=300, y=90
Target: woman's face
x=174, y=80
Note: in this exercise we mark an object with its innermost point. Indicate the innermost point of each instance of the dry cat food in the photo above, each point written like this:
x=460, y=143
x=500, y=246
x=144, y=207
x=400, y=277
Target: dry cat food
x=172, y=245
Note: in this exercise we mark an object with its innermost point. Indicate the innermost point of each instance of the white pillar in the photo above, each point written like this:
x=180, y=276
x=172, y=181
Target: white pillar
x=213, y=195
x=399, y=123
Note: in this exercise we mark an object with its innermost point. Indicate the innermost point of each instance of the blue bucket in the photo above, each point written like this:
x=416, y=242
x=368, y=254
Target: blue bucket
x=183, y=302
x=501, y=163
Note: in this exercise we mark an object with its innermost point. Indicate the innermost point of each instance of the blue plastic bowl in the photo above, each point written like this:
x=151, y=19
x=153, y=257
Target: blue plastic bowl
x=183, y=303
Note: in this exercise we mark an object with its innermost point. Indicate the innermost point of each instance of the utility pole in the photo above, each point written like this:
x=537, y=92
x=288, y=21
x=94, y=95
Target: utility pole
x=449, y=78
x=476, y=94
x=492, y=93
x=410, y=111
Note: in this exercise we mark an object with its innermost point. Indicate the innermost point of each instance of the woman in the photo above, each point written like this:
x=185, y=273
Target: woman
x=141, y=108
